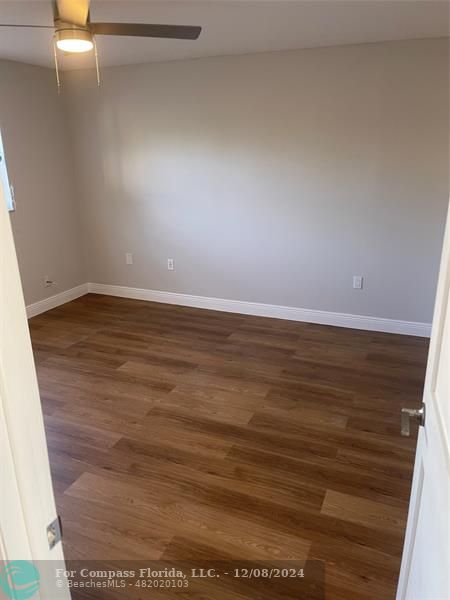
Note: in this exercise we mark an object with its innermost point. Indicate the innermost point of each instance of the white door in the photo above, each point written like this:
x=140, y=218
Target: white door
x=27, y=504
x=425, y=571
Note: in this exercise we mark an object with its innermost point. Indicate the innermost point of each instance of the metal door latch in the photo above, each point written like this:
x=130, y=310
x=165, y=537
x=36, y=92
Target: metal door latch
x=54, y=532
x=416, y=413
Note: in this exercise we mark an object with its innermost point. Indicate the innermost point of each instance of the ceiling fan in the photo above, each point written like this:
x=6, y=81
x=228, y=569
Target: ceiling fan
x=74, y=31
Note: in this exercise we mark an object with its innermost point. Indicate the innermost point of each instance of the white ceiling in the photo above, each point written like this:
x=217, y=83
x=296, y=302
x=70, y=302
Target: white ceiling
x=229, y=27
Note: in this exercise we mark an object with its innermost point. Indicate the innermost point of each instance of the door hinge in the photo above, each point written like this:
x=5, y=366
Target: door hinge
x=54, y=532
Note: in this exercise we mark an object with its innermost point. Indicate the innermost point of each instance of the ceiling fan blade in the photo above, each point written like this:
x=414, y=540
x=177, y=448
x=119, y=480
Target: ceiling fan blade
x=179, y=32
x=75, y=12
x=35, y=26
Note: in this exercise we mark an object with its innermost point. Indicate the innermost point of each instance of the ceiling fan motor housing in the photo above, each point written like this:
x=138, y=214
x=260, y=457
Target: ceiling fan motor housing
x=67, y=34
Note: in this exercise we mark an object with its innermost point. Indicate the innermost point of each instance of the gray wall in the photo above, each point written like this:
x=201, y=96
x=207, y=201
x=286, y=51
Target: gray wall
x=46, y=224
x=272, y=177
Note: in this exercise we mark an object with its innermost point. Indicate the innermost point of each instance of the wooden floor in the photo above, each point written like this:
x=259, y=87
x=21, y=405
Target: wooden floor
x=178, y=433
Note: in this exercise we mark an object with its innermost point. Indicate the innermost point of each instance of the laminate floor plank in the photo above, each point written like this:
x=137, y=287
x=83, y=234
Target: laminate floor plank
x=176, y=434
x=367, y=512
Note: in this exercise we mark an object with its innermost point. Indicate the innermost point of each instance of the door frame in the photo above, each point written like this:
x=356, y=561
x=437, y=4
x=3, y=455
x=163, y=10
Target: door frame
x=435, y=431
x=27, y=503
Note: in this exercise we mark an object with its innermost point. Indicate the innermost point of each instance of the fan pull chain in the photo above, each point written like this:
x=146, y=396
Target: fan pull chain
x=55, y=54
x=58, y=81
x=96, y=61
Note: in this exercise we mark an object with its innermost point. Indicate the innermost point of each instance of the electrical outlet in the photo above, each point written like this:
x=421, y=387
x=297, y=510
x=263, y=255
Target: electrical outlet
x=358, y=282
x=170, y=266
x=129, y=258
x=48, y=282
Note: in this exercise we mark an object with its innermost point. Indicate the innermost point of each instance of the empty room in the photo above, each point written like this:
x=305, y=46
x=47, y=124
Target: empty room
x=224, y=300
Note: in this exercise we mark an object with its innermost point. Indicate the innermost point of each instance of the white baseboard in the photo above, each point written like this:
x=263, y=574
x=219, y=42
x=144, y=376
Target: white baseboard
x=236, y=306
x=267, y=310
x=48, y=303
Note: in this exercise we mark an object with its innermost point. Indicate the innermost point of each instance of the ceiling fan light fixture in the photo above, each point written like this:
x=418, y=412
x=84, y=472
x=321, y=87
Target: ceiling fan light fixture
x=74, y=40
